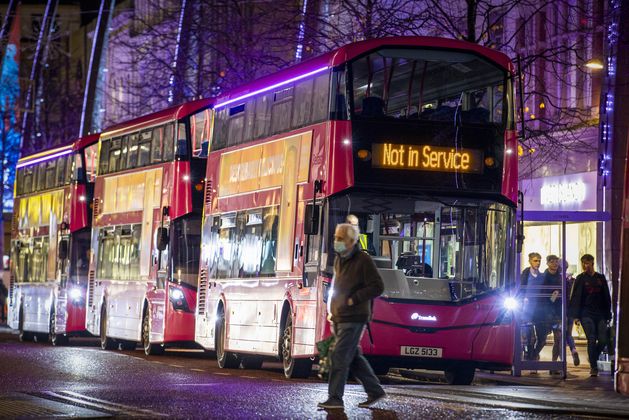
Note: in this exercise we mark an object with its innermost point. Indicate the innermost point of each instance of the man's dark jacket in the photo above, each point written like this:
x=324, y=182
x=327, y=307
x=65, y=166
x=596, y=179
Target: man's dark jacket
x=590, y=298
x=355, y=277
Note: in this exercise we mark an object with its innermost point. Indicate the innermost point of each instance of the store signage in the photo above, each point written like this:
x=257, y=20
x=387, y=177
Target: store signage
x=426, y=158
x=574, y=192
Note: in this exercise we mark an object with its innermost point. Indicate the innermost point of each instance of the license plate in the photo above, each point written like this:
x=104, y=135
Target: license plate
x=421, y=351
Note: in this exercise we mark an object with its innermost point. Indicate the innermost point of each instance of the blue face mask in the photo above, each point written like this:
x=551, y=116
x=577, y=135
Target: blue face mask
x=339, y=247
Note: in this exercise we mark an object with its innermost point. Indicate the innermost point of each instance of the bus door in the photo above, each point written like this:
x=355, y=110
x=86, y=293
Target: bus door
x=156, y=293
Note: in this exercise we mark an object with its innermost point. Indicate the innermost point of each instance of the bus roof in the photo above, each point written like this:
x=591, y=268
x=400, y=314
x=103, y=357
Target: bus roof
x=159, y=117
x=74, y=145
x=350, y=51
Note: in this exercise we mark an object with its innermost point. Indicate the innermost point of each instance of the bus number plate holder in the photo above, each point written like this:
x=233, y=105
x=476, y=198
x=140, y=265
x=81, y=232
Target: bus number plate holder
x=434, y=352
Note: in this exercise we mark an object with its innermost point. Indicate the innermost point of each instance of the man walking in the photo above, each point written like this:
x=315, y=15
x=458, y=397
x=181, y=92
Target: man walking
x=591, y=303
x=356, y=283
x=535, y=315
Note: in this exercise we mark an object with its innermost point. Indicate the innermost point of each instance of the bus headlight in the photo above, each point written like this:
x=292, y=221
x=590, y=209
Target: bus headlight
x=511, y=303
x=178, y=299
x=75, y=294
x=176, y=294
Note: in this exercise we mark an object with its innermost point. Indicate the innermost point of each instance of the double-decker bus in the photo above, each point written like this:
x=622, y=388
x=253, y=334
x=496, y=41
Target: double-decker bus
x=147, y=229
x=50, y=237
x=413, y=139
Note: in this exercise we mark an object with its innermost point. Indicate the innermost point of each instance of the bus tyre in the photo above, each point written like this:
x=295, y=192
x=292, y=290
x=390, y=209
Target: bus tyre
x=225, y=359
x=251, y=362
x=150, y=349
x=460, y=375
x=56, y=339
x=293, y=368
x=23, y=335
x=106, y=343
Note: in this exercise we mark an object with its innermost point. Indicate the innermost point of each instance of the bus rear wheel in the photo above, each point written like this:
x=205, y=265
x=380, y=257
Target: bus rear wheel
x=460, y=375
x=150, y=349
x=293, y=368
x=23, y=335
x=106, y=343
x=56, y=339
x=225, y=359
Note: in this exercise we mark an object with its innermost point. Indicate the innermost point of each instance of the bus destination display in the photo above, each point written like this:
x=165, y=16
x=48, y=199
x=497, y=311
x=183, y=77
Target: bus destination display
x=426, y=158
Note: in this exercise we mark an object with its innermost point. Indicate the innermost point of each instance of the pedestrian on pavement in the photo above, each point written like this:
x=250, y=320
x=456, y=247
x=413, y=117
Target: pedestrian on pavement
x=591, y=304
x=569, y=321
x=4, y=293
x=356, y=283
x=535, y=316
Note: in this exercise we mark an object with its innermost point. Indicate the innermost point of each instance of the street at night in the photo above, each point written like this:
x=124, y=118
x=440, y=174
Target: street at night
x=84, y=381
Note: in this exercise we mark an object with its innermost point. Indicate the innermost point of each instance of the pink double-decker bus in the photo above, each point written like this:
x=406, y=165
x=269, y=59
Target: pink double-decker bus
x=147, y=229
x=50, y=237
x=413, y=139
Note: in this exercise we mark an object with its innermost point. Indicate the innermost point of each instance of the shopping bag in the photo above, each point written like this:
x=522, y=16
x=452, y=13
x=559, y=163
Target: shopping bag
x=325, y=348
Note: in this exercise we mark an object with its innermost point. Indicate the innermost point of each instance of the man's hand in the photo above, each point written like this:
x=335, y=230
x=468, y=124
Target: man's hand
x=350, y=302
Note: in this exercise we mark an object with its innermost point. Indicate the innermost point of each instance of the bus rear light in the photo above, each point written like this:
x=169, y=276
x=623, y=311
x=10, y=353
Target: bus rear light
x=490, y=162
x=199, y=187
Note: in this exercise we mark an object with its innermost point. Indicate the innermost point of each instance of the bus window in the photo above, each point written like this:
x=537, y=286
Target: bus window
x=132, y=154
x=250, y=116
x=281, y=110
x=320, y=106
x=41, y=176
x=156, y=147
x=236, y=127
x=51, y=173
x=78, y=172
x=185, y=249
x=338, y=98
x=144, y=155
x=114, y=155
x=270, y=221
x=103, y=158
x=181, y=146
x=124, y=153
x=168, y=143
x=39, y=259
x=227, y=262
x=28, y=179
x=60, y=176
x=303, y=103
x=201, y=123
x=91, y=162
x=263, y=115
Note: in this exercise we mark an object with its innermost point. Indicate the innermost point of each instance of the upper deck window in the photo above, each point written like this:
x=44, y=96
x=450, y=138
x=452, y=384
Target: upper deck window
x=91, y=162
x=431, y=85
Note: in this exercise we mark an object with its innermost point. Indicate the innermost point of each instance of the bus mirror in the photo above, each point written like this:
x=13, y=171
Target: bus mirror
x=63, y=249
x=311, y=220
x=162, y=238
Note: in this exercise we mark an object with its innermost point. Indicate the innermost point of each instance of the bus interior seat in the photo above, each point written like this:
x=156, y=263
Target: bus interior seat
x=373, y=106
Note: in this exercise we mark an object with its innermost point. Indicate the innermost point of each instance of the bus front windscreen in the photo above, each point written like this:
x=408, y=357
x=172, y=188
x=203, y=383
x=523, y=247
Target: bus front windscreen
x=428, y=85
x=432, y=249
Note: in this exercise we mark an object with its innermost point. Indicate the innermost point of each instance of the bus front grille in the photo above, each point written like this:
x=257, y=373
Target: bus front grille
x=202, y=290
x=91, y=278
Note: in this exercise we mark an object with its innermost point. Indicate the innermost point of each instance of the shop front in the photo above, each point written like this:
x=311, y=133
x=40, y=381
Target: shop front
x=561, y=224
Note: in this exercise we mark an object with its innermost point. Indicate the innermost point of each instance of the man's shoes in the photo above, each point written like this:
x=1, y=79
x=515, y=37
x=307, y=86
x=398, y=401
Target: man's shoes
x=331, y=403
x=371, y=400
x=554, y=372
x=575, y=358
x=593, y=372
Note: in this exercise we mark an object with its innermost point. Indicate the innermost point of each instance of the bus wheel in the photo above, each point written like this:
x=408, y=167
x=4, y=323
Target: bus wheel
x=460, y=375
x=251, y=362
x=150, y=349
x=293, y=368
x=56, y=339
x=106, y=343
x=224, y=358
x=23, y=335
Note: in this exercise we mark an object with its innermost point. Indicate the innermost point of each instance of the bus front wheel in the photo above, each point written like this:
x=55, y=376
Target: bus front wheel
x=150, y=349
x=56, y=339
x=106, y=343
x=224, y=358
x=460, y=375
x=293, y=368
x=23, y=335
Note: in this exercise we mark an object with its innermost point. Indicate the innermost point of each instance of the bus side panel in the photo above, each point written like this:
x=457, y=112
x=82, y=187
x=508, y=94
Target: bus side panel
x=305, y=307
x=36, y=301
x=495, y=344
x=75, y=321
x=510, y=168
x=340, y=159
x=179, y=324
x=78, y=208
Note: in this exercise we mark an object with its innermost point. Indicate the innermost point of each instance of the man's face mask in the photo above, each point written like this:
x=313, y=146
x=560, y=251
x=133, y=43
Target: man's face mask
x=339, y=246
